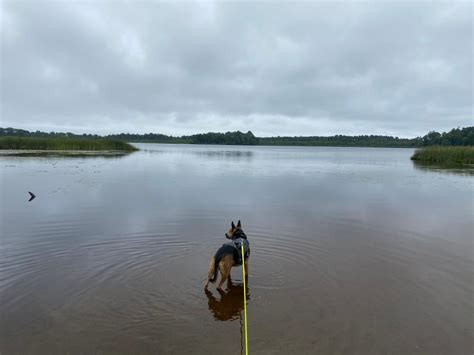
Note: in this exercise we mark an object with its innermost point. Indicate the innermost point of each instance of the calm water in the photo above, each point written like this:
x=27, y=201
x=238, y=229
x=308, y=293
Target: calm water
x=354, y=251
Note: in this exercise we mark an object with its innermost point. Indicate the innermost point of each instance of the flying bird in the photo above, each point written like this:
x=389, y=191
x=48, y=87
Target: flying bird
x=32, y=196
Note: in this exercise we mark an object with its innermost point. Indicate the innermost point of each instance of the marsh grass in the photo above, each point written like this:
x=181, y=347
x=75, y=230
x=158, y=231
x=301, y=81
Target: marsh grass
x=63, y=153
x=71, y=144
x=452, y=156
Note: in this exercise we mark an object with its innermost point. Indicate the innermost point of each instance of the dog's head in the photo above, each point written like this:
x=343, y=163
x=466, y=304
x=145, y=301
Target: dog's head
x=233, y=230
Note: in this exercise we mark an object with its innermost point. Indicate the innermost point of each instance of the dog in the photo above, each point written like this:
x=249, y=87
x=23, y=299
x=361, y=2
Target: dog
x=229, y=255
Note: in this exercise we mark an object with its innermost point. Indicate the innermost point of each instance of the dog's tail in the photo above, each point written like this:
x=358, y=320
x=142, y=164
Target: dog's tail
x=213, y=266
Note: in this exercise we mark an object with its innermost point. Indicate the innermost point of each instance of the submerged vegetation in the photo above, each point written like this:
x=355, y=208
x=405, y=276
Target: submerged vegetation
x=457, y=137
x=442, y=155
x=64, y=143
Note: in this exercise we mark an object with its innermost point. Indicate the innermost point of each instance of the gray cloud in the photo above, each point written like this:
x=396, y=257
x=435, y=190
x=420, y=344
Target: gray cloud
x=274, y=68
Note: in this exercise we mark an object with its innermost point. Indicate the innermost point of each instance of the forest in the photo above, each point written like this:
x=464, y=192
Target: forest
x=455, y=137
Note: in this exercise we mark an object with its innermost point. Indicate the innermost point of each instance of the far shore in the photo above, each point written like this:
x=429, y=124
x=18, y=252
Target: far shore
x=455, y=137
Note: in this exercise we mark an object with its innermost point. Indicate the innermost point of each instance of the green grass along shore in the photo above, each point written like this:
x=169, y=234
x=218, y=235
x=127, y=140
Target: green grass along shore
x=66, y=144
x=460, y=155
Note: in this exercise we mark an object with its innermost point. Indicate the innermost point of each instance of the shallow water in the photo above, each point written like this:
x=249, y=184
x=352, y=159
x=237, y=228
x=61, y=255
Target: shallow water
x=354, y=250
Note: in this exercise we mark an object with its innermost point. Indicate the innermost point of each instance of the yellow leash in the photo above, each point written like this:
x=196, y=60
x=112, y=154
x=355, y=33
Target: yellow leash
x=245, y=303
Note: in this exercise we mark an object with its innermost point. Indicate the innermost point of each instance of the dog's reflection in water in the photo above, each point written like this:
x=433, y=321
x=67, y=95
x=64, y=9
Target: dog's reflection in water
x=230, y=304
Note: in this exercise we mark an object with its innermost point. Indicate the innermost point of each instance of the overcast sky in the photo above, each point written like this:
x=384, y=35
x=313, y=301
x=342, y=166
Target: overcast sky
x=274, y=68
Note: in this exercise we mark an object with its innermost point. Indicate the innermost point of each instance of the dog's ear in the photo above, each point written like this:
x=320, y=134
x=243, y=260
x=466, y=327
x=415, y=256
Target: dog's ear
x=238, y=224
x=232, y=225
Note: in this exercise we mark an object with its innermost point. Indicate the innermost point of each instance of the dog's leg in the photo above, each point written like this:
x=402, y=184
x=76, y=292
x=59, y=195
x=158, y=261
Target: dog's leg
x=224, y=275
x=246, y=264
x=224, y=266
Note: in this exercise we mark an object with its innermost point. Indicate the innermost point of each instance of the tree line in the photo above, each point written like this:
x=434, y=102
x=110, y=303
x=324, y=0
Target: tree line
x=455, y=137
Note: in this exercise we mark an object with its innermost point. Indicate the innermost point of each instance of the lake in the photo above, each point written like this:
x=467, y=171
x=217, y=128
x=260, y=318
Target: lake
x=354, y=251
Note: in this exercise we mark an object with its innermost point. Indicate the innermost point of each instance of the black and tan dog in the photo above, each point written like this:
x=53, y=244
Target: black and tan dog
x=229, y=254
